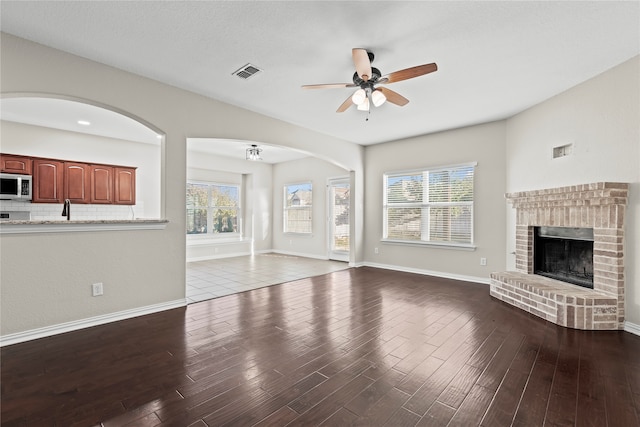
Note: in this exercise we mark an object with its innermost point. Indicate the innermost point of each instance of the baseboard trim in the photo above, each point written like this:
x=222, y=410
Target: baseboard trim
x=75, y=325
x=632, y=328
x=444, y=275
x=300, y=254
x=210, y=257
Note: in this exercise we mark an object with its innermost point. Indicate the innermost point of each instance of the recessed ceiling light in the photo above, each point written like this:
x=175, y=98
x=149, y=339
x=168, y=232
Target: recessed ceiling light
x=84, y=122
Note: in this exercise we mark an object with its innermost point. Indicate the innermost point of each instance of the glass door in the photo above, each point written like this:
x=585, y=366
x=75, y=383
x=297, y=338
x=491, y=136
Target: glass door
x=339, y=219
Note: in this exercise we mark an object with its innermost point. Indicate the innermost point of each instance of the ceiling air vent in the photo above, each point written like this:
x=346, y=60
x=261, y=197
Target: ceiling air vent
x=246, y=71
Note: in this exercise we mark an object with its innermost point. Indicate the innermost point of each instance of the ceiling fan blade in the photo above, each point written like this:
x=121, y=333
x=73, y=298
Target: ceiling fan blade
x=328, y=86
x=362, y=63
x=409, y=73
x=393, y=97
x=345, y=105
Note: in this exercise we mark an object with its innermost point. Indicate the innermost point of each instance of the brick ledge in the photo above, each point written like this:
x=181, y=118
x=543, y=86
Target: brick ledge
x=558, y=302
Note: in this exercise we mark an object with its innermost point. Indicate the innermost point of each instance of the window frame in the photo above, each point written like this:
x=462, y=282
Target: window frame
x=286, y=209
x=422, y=205
x=211, y=209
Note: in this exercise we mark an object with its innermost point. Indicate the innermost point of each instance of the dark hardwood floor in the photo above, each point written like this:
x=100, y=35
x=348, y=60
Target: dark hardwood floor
x=362, y=347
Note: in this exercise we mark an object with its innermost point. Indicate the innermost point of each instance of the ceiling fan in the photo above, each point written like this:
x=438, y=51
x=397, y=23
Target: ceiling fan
x=367, y=77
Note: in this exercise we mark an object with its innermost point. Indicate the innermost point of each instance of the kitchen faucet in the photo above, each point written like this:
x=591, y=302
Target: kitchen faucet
x=66, y=210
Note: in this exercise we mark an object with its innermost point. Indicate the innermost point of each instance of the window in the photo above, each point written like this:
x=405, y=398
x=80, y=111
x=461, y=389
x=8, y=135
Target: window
x=212, y=208
x=297, y=208
x=430, y=205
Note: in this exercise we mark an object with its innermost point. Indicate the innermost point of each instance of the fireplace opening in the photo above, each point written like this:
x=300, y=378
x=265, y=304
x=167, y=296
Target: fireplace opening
x=564, y=253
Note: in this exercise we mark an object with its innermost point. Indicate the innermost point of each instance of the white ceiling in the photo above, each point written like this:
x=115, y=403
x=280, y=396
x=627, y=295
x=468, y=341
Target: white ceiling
x=495, y=59
x=238, y=149
x=65, y=114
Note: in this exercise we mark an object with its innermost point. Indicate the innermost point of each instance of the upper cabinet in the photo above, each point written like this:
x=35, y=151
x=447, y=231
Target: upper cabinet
x=77, y=182
x=56, y=180
x=48, y=176
x=101, y=184
x=16, y=164
x=124, y=190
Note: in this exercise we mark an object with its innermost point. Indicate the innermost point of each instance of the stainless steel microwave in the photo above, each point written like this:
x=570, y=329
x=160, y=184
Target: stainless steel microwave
x=15, y=187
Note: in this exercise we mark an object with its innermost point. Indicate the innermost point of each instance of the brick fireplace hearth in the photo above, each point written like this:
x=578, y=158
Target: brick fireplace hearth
x=600, y=206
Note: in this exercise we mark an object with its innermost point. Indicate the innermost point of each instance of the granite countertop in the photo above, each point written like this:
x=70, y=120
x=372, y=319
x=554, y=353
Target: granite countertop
x=64, y=226
x=84, y=221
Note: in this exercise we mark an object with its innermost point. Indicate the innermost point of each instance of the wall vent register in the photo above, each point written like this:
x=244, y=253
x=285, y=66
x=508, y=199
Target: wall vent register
x=246, y=71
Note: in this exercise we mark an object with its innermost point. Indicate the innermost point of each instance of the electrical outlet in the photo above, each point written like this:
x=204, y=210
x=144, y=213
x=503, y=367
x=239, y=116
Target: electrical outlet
x=96, y=289
x=483, y=261
x=375, y=250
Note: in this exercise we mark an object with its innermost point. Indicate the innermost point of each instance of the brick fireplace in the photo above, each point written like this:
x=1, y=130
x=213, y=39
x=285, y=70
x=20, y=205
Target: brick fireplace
x=599, y=206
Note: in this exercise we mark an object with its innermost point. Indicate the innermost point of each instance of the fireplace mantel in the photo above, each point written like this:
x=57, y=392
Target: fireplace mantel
x=600, y=206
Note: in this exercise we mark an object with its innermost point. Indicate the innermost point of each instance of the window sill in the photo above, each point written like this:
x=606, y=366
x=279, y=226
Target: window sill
x=211, y=240
x=24, y=227
x=454, y=246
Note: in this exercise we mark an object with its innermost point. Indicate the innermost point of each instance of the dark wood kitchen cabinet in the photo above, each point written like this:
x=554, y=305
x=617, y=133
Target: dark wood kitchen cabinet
x=101, y=184
x=77, y=182
x=48, y=176
x=16, y=164
x=55, y=180
x=124, y=189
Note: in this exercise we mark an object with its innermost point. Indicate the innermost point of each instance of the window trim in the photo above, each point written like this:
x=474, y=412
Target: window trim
x=285, y=209
x=436, y=244
x=230, y=236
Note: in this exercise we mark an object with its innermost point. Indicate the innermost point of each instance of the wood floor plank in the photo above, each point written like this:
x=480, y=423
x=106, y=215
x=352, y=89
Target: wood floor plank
x=343, y=417
x=561, y=410
x=497, y=367
x=437, y=416
x=333, y=403
x=472, y=408
x=403, y=418
x=459, y=387
x=502, y=409
x=318, y=394
x=591, y=405
x=423, y=398
x=249, y=411
x=363, y=347
x=379, y=413
x=279, y=418
x=621, y=409
x=369, y=396
x=533, y=406
x=419, y=375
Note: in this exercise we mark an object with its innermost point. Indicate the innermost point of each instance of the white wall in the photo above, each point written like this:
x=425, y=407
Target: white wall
x=317, y=172
x=601, y=117
x=37, y=141
x=255, y=179
x=483, y=144
x=143, y=268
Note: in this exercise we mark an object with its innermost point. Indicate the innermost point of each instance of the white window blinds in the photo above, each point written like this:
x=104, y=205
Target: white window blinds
x=431, y=205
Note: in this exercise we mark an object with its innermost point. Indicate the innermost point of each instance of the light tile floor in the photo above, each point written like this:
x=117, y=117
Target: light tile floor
x=225, y=276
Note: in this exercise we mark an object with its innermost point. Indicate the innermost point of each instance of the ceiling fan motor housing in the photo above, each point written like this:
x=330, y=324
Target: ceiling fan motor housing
x=375, y=75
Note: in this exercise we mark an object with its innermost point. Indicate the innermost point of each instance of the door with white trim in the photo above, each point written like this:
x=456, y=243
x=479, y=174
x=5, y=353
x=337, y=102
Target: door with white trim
x=338, y=216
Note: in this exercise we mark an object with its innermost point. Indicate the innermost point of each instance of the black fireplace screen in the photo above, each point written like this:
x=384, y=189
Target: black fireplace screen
x=565, y=254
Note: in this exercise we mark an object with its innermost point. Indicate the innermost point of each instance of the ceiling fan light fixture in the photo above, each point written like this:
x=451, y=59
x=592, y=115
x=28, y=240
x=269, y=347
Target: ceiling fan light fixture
x=359, y=96
x=364, y=106
x=253, y=153
x=378, y=98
